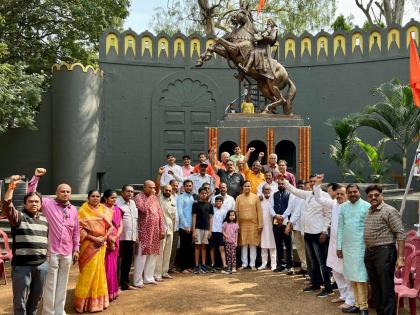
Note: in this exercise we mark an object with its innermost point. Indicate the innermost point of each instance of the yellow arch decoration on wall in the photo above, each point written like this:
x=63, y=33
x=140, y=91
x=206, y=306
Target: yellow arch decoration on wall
x=411, y=29
x=129, y=42
x=372, y=37
x=209, y=42
x=394, y=34
x=146, y=43
x=306, y=43
x=195, y=44
x=163, y=44
x=357, y=40
x=322, y=41
x=290, y=45
x=72, y=66
x=339, y=40
x=179, y=43
x=111, y=41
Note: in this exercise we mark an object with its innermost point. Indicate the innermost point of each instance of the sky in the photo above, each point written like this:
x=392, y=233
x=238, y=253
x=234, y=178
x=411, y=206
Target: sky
x=141, y=12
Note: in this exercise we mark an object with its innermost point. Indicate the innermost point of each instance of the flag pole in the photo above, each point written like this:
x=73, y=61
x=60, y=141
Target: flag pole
x=407, y=188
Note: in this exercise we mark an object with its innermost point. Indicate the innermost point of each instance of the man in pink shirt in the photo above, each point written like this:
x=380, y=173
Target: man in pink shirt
x=187, y=168
x=63, y=243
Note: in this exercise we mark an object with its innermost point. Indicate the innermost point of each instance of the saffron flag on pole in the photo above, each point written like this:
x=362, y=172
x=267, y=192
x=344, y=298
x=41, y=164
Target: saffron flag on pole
x=260, y=6
x=414, y=73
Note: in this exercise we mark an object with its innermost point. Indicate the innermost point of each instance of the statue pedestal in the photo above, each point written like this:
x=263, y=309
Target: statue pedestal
x=287, y=136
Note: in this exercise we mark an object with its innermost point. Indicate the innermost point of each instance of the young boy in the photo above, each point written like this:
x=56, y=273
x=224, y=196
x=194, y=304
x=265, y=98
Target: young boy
x=216, y=240
x=202, y=220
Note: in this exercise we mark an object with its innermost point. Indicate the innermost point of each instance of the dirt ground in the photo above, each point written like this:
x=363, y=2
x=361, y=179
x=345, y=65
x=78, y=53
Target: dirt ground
x=246, y=292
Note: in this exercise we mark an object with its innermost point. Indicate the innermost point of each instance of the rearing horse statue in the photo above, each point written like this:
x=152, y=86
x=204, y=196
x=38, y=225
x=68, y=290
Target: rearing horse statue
x=237, y=47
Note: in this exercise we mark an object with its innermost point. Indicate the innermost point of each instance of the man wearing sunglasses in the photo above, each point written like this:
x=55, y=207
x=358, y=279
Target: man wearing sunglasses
x=383, y=227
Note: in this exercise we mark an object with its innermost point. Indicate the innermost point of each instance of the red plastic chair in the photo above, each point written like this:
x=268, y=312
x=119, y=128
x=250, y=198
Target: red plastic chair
x=416, y=242
x=403, y=291
x=6, y=254
x=410, y=234
x=404, y=274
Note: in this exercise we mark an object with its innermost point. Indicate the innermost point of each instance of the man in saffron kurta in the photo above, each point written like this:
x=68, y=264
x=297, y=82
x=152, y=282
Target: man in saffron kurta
x=351, y=245
x=151, y=231
x=249, y=212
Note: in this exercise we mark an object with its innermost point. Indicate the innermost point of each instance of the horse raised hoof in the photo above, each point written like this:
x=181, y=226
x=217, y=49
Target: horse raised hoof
x=199, y=63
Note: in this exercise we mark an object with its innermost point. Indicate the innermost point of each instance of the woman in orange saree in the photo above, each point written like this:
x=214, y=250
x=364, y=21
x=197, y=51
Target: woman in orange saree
x=91, y=294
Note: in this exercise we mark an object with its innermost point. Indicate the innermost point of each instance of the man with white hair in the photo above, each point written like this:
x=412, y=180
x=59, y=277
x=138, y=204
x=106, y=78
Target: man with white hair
x=271, y=165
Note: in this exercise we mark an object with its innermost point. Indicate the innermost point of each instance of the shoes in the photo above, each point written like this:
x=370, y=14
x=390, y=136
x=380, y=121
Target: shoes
x=324, y=293
x=363, y=312
x=212, y=269
x=262, y=267
x=289, y=272
x=311, y=288
x=351, y=309
x=234, y=270
x=337, y=300
x=226, y=271
x=279, y=269
x=196, y=270
x=203, y=269
x=301, y=272
x=166, y=276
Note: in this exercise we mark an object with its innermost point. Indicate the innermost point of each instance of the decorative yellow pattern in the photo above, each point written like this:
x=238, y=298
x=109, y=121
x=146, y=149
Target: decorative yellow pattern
x=290, y=45
x=129, y=43
x=195, y=46
x=209, y=42
x=412, y=29
x=339, y=41
x=111, y=41
x=357, y=40
x=374, y=37
x=306, y=44
x=321, y=42
x=163, y=44
x=70, y=67
x=179, y=45
x=394, y=35
x=146, y=43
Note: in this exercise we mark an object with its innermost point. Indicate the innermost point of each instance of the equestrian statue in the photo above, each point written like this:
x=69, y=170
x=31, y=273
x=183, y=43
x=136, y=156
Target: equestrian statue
x=250, y=51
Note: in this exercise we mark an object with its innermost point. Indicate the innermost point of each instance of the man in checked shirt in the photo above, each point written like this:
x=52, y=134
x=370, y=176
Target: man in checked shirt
x=383, y=227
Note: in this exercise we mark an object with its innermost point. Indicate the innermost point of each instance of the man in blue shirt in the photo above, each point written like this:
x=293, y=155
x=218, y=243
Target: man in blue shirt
x=281, y=201
x=184, y=204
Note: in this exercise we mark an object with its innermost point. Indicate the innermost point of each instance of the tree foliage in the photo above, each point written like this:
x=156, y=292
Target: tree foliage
x=36, y=34
x=385, y=12
x=211, y=16
x=342, y=23
x=41, y=33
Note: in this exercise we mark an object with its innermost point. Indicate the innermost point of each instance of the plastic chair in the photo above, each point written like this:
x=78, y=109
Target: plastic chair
x=403, y=291
x=410, y=253
x=416, y=242
x=410, y=234
x=7, y=254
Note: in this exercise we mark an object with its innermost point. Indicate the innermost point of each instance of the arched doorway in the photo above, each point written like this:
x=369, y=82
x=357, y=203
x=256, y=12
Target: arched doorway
x=226, y=146
x=286, y=150
x=259, y=147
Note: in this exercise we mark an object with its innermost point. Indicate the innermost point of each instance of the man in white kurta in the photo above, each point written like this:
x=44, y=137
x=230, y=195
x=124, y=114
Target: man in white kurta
x=267, y=236
x=335, y=263
x=351, y=246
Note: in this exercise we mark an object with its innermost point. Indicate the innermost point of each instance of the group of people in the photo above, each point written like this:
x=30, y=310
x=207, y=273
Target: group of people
x=215, y=204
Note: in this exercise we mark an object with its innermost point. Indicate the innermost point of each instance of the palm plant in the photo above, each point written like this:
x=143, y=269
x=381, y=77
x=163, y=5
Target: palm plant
x=342, y=149
x=379, y=162
x=395, y=116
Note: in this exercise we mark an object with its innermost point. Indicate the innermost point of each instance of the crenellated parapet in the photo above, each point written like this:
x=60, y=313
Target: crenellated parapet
x=72, y=66
x=306, y=49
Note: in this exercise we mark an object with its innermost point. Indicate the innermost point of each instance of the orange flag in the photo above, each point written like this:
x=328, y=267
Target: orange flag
x=260, y=6
x=414, y=73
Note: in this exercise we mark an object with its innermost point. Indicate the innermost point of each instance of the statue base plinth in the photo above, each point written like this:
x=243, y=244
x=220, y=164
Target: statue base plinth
x=285, y=135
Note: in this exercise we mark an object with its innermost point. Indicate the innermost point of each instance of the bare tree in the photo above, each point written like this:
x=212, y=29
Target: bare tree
x=392, y=11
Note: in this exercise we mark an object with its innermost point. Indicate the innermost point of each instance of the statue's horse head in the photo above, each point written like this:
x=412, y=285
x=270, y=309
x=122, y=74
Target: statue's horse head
x=244, y=25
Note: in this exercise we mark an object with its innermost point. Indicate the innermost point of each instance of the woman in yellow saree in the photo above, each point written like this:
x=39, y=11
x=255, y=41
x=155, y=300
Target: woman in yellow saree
x=91, y=294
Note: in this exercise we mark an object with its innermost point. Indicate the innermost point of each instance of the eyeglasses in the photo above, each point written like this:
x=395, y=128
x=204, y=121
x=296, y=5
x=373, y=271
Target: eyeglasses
x=374, y=195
